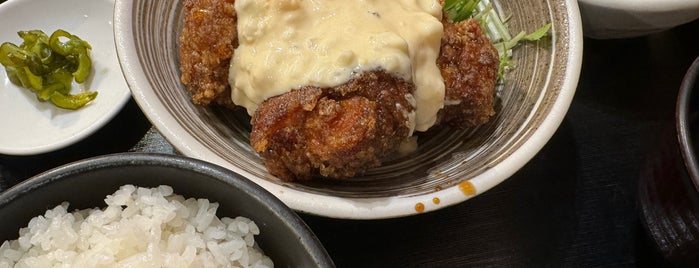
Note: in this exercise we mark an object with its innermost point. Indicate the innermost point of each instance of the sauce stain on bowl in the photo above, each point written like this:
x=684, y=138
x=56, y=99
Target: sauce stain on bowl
x=467, y=188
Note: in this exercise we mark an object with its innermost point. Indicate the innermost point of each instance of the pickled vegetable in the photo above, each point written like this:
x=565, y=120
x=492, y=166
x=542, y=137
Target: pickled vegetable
x=47, y=65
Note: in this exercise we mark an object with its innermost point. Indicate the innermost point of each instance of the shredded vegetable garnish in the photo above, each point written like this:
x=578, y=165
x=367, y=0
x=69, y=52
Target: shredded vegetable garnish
x=458, y=10
x=47, y=65
x=495, y=28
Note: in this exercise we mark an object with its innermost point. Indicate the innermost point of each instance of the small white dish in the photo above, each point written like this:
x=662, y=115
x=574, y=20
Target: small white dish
x=605, y=19
x=30, y=126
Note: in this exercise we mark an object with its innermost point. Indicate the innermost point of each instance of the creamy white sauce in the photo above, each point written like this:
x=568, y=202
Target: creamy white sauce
x=284, y=45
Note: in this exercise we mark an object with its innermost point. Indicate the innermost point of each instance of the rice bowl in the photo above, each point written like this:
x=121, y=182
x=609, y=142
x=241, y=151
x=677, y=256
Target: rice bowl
x=85, y=184
x=139, y=227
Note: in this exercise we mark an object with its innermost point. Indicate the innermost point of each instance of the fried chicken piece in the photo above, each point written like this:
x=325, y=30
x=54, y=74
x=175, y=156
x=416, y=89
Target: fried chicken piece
x=311, y=132
x=333, y=132
x=208, y=39
x=469, y=65
x=342, y=131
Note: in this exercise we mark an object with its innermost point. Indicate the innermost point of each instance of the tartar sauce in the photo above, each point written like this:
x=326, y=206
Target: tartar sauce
x=284, y=45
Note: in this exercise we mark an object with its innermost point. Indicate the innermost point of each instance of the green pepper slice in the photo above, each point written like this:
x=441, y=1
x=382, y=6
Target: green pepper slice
x=72, y=102
x=47, y=65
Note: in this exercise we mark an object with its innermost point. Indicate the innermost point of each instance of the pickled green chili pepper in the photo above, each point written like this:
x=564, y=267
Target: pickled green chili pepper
x=12, y=55
x=35, y=81
x=47, y=65
x=72, y=101
x=74, y=48
x=68, y=47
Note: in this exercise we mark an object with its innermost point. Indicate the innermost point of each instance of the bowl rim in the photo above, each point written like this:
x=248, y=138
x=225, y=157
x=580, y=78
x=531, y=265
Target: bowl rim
x=645, y=6
x=301, y=230
x=690, y=83
x=358, y=208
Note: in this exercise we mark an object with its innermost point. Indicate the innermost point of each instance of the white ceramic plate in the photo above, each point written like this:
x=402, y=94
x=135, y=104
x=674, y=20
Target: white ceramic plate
x=33, y=127
x=609, y=19
x=448, y=167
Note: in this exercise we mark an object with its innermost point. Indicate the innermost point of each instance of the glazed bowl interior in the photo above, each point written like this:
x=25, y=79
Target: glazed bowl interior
x=449, y=165
x=84, y=184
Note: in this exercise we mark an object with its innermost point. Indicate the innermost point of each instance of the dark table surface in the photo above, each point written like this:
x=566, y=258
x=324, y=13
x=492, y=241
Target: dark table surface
x=574, y=204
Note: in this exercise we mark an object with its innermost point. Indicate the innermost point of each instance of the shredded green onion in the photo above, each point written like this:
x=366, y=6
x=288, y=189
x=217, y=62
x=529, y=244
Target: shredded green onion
x=47, y=66
x=458, y=10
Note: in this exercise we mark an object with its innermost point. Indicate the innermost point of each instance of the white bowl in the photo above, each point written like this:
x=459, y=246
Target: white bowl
x=609, y=19
x=30, y=126
x=448, y=167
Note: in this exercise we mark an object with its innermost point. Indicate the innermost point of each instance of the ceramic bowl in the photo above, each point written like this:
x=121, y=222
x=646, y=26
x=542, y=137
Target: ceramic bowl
x=448, y=167
x=33, y=127
x=84, y=184
x=610, y=19
x=669, y=185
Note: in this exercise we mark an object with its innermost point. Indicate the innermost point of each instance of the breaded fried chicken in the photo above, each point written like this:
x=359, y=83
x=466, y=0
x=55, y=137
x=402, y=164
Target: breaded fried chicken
x=333, y=132
x=341, y=131
x=469, y=64
x=208, y=39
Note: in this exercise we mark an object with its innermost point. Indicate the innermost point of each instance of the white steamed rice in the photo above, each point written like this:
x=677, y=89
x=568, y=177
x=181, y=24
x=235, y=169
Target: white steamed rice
x=140, y=227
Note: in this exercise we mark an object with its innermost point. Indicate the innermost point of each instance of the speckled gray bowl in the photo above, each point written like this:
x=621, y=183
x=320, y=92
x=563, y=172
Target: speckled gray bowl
x=449, y=166
x=283, y=235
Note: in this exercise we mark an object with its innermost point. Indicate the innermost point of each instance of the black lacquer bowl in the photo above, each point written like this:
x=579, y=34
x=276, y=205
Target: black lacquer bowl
x=283, y=235
x=669, y=186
